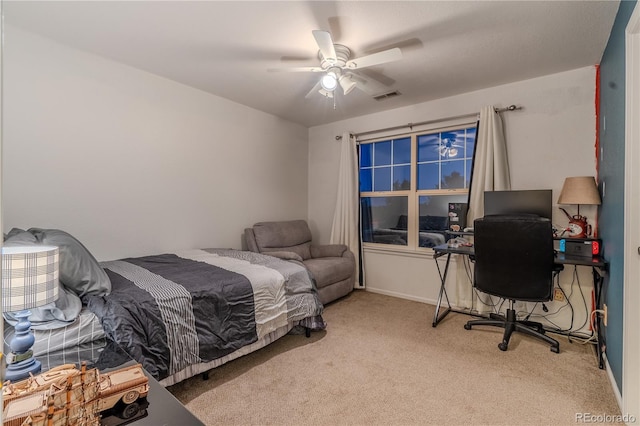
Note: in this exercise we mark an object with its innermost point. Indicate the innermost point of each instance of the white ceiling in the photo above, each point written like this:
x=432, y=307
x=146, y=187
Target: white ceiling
x=226, y=47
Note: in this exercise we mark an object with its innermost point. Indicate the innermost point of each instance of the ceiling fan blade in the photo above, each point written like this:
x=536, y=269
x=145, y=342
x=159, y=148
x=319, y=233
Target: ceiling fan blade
x=313, y=91
x=296, y=69
x=385, y=56
x=325, y=44
x=368, y=85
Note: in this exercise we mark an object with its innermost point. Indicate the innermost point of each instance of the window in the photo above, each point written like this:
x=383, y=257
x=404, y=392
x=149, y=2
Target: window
x=408, y=184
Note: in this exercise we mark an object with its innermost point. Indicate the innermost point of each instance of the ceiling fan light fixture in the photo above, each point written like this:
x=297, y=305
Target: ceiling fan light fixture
x=347, y=84
x=337, y=67
x=329, y=82
x=326, y=93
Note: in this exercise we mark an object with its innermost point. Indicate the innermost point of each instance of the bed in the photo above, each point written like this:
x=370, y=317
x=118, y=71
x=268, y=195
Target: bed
x=178, y=314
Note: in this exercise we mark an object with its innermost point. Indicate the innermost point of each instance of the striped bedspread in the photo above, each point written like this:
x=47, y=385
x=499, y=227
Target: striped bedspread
x=174, y=310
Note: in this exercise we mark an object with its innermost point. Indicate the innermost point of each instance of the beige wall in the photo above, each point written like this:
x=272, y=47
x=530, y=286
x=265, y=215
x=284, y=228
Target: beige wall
x=131, y=163
x=552, y=137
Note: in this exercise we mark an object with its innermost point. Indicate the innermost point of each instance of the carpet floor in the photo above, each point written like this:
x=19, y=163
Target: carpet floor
x=379, y=362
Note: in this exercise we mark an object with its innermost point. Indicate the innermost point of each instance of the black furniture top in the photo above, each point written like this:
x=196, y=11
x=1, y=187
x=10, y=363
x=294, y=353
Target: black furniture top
x=559, y=258
x=159, y=407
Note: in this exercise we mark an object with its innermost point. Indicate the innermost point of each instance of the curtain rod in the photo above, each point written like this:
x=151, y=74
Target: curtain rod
x=422, y=123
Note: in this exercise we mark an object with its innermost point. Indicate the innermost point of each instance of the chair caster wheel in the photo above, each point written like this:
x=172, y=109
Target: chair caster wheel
x=502, y=346
x=555, y=349
x=467, y=327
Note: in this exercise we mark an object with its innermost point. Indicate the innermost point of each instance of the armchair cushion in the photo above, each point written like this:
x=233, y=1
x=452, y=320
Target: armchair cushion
x=285, y=255
x=293, y=235
x=328, y=250
x=329, y=270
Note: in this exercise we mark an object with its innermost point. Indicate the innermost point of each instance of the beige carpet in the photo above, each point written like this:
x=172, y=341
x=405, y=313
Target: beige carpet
x=381, y=362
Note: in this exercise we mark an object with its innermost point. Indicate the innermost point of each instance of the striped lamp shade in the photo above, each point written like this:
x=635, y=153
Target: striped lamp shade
x=29, y=277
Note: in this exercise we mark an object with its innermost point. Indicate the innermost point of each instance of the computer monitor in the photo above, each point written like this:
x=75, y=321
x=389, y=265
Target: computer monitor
x=536, y=201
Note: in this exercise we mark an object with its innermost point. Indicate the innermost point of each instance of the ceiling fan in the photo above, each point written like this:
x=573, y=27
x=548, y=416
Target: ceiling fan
x=338, y=69
x=445, y=145
x=449, y=147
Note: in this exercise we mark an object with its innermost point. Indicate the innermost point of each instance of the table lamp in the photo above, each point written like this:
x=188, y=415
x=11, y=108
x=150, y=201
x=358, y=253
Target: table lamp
x=579, y=190
x=29, y=280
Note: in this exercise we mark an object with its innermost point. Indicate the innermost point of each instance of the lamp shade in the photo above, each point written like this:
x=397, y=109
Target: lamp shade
x=579, y=190
x=29, y=277
x=347, y=84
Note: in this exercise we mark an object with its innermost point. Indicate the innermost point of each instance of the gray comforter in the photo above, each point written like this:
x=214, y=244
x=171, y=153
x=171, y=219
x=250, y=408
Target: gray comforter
x=170, y=311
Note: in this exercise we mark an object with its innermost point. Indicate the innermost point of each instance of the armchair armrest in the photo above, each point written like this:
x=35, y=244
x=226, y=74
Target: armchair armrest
x=250, y=240
x=328, y=250
x=284, y=255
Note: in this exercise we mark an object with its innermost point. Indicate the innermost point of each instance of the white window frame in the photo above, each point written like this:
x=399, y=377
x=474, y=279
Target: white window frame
x=413, y=194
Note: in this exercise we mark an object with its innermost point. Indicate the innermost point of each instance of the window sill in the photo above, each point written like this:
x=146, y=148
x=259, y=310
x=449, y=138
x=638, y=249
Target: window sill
x=422, y=253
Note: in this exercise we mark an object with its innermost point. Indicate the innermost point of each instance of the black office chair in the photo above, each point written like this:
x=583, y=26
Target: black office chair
x=514, y=260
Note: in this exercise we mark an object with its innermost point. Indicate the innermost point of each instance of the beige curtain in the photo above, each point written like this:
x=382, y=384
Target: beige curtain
x=345, y=228
x=490, y=173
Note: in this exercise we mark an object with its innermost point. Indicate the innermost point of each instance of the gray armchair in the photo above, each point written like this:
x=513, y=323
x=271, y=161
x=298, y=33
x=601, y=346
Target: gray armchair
x=332, y=265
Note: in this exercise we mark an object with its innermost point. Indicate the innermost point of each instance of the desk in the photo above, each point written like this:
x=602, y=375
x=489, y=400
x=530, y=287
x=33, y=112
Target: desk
x=439, y=251
x=597, y=263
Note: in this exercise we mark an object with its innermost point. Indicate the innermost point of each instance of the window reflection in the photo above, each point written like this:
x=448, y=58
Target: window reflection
x=434, y=218
x=445, y=158
x=384, y=220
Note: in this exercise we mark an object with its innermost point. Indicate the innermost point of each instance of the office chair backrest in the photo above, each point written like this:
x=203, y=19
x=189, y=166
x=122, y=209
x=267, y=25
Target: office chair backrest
x=514, y=257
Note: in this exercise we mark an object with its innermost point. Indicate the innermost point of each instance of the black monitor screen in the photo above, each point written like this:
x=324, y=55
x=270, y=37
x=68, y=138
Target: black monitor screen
x=537, y=201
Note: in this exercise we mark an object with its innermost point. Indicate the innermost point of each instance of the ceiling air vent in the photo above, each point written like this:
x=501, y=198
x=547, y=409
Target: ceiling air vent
x=387, y=95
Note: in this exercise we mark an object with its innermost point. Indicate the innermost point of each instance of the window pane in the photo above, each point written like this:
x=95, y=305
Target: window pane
x=470, y=142
x=382, y=179
x=366, y=183
x=428, y=176
x=428, y=147
x=402, y=151
x=365, y=155
x=453, y=174
x=382, y=153
x=401, y=178
x=384, y=220
x=434, y=218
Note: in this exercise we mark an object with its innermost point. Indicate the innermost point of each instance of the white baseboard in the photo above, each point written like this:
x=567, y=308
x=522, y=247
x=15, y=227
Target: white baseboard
x=614, y=384
x=433, y=302
x=401, y=295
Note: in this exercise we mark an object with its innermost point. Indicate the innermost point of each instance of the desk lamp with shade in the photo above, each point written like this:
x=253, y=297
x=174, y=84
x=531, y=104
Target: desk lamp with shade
x=29, y=280
x=579, y=190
